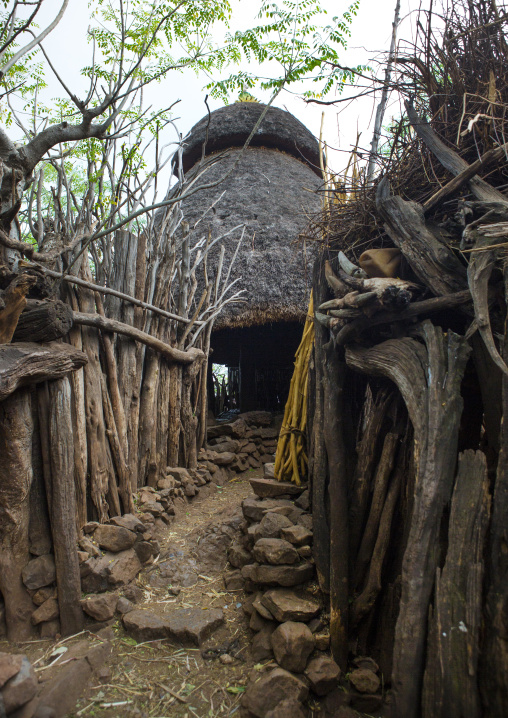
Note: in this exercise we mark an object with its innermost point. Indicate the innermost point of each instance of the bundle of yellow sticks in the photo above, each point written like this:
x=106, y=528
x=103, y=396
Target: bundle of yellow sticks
x=291, y=455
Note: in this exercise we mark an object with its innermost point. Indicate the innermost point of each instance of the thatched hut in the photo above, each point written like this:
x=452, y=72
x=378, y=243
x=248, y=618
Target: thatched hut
x=272, y=191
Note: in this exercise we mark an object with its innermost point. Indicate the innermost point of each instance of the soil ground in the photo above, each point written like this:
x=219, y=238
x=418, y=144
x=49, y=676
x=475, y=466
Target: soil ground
x=158, y=679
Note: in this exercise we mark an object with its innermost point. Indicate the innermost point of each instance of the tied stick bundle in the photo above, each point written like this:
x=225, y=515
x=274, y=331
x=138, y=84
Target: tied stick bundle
x=291, y=457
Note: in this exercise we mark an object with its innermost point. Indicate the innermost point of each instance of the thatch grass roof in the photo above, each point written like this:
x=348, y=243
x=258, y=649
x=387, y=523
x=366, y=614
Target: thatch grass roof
x=273, y=191
x=274, y=194
x=230, y=126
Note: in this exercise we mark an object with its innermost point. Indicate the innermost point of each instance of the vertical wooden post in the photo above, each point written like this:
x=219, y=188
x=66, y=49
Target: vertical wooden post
x=318, y=478
x=62, y=506
x=333, y=425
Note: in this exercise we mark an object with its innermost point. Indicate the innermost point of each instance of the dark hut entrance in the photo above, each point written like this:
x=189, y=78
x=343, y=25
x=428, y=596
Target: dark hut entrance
x=269, y=193
x=260, y=358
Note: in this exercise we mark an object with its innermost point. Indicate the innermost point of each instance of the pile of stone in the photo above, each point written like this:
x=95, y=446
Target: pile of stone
x=246, y=443
x=112, y=554
x=273, y=562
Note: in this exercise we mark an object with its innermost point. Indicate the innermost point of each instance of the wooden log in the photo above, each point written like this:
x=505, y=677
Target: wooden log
x=367, y=452
x=318, y=478
x=373, y=583
x=62, y=507
x=421, y=309
x=25, y=363
x=428, y=378
x=450, y=159
x=188, y=418
x=43, y=321
x=39, y=529
x=333, y=418
x=87, y=284
x=97, y=454
x=431, y=260
x=148, y=418
x=479, y=271
x=468, y=173
x=380, y=488
x=15, y=482
x=490, y=380
x=111, y=325
x=451, y=682
x=117, y=453
x=77, y=380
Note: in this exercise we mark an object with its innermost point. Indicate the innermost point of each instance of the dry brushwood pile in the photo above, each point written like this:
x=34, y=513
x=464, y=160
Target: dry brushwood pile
x=409, y=380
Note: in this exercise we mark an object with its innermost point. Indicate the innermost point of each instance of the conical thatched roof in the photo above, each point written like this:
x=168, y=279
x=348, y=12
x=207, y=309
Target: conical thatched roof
x=272, y=191
x=230, y=126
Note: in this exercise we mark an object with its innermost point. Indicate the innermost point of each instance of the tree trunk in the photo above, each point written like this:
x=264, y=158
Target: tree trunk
x=15, y=482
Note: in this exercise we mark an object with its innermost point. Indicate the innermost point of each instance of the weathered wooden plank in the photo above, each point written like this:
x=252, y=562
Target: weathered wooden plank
x=15, y=480
x=27, y=363
x=431, y=260
x=429, y=380
x=43, y=321
x=318, y=478
x=334, y=375
x=451, y=682
x=62, y=507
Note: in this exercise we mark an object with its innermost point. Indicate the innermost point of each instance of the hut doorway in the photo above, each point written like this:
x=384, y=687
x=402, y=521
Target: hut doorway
x=261, y=357
x=225, y=389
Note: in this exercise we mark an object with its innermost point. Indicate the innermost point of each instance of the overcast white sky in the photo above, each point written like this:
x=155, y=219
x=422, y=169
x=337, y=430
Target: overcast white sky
x=371, y=32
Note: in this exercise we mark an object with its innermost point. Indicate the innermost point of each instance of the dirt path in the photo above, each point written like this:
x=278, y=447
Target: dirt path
x=157, y=678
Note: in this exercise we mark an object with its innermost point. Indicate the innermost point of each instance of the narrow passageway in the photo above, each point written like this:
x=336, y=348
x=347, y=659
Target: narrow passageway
x=148, y=677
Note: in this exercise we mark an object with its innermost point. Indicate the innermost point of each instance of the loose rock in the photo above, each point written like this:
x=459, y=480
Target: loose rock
x=271, y=524
x=101, y=606
x=128, y=521
x=273, y=688
x=238, y=556
x=21, y=688
x=289, y=708
x=124, y=605
x=262, y=610
x=261, y=646
x=10, y=665
x=191, y=626
x=114, y=538
x=323, y=674
x=296, y=535
x=269, y=488
x=364, y=680
x=287, y=605
x=278, y=575
x=43, y=594
x=98, y=574
x=292, y=644
x=47, y=611
x=144, y=625
x=39, y=572
x=234, y=581
x=275, y=551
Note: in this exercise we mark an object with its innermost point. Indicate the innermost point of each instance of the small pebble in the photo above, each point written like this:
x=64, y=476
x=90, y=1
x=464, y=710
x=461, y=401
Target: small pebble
x=174, y=590
x=226, y=659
